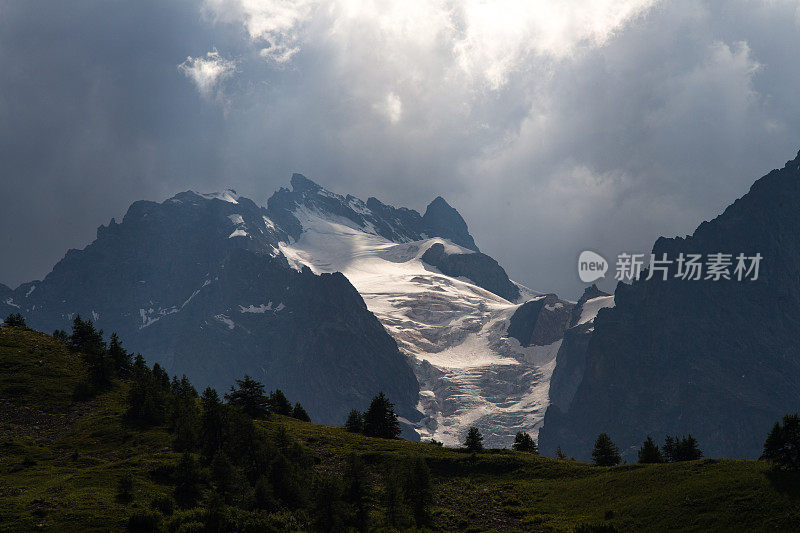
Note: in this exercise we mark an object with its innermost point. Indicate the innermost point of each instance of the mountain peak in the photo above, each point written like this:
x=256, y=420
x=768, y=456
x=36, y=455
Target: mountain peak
x=444, y=220
x=438, y=203
x=226, y=195
x=592, y=292
x=301, y=183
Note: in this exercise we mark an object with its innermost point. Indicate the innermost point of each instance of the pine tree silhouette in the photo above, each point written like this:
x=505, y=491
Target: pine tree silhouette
x=380, y=419
x=474, y=440
x=605, y=452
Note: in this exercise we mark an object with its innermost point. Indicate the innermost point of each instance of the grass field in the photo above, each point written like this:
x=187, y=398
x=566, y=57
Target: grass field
x=60, y=462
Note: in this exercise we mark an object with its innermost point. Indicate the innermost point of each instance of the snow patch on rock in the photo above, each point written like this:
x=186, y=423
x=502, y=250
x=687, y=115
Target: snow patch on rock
x=591, y=307
x=454, y=332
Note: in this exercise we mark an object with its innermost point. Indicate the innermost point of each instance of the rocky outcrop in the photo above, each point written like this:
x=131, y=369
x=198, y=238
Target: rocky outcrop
x=480, y=268
x=442, y=220
x=571, y=359
x=540, y=321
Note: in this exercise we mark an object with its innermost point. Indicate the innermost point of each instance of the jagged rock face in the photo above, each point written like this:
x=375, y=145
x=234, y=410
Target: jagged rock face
x=717, y=359
x=392, y=223
x=571, y=359
x=442, y=220
x=198, y=285
x=540, y=321
x=478, y=267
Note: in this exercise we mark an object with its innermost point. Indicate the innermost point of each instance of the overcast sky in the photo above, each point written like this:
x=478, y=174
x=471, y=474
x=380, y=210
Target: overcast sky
x=552, y=126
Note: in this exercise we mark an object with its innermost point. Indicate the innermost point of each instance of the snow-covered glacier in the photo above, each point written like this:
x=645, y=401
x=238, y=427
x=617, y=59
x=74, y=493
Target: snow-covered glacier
x=471, y=372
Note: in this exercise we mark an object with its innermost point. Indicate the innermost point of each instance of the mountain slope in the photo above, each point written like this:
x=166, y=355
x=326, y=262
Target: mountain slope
x=216, y=286
x=718, y=359
x=198, y=283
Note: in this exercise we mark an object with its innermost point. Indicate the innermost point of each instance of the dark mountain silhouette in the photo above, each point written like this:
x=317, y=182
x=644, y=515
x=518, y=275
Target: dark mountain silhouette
x=717, y=359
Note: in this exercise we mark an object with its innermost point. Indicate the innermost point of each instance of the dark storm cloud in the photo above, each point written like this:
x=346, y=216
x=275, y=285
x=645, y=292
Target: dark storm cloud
x=92, y=116
x=553, y=128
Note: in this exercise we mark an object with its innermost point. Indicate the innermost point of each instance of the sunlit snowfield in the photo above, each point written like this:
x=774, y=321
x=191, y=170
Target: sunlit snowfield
x=470, y=372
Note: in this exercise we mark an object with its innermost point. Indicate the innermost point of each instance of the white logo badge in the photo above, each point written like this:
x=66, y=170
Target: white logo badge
x=591, y=266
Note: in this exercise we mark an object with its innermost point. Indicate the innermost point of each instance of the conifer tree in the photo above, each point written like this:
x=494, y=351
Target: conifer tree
x=605, y=452
x=649, y=452
x=186, y=422
x=161, y=377
x=286, y=483
x=688, y=450
x=89, y=342
x=782, y=446
x=263, y=495
x=523, y=442
x=380, y=419
x=299, y=413
x=15, y=320
x=125, y=488
x=669, y=449
x=278, y=403
x=120, y=359
x=249, y=397
x=474, y=440
x=355, y=421
x=85, y=338
x=211, y=423
x=146, y=400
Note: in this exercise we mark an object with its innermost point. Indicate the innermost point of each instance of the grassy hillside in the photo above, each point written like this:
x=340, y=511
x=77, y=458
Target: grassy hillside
x=61, y=461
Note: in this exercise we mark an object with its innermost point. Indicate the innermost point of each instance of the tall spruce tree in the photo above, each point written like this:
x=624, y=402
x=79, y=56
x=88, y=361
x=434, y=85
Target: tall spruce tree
x=474, y=440
x=85, y=338
x=649, y=452
x=146, y=399
x=185, y=416
x=299, y=413
x=249, y=397
x=523, y=442
x=211, y=422
x=669, y=449
x=380, y=419
x=355, y=421
x=688, y=450
x=782, y=445
x=278, y=403
x=605, y=452
x=120, y=358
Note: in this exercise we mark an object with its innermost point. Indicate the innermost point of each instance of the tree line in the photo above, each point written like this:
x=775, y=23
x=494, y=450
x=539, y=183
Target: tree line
x=234, y=474
x=148, y=402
